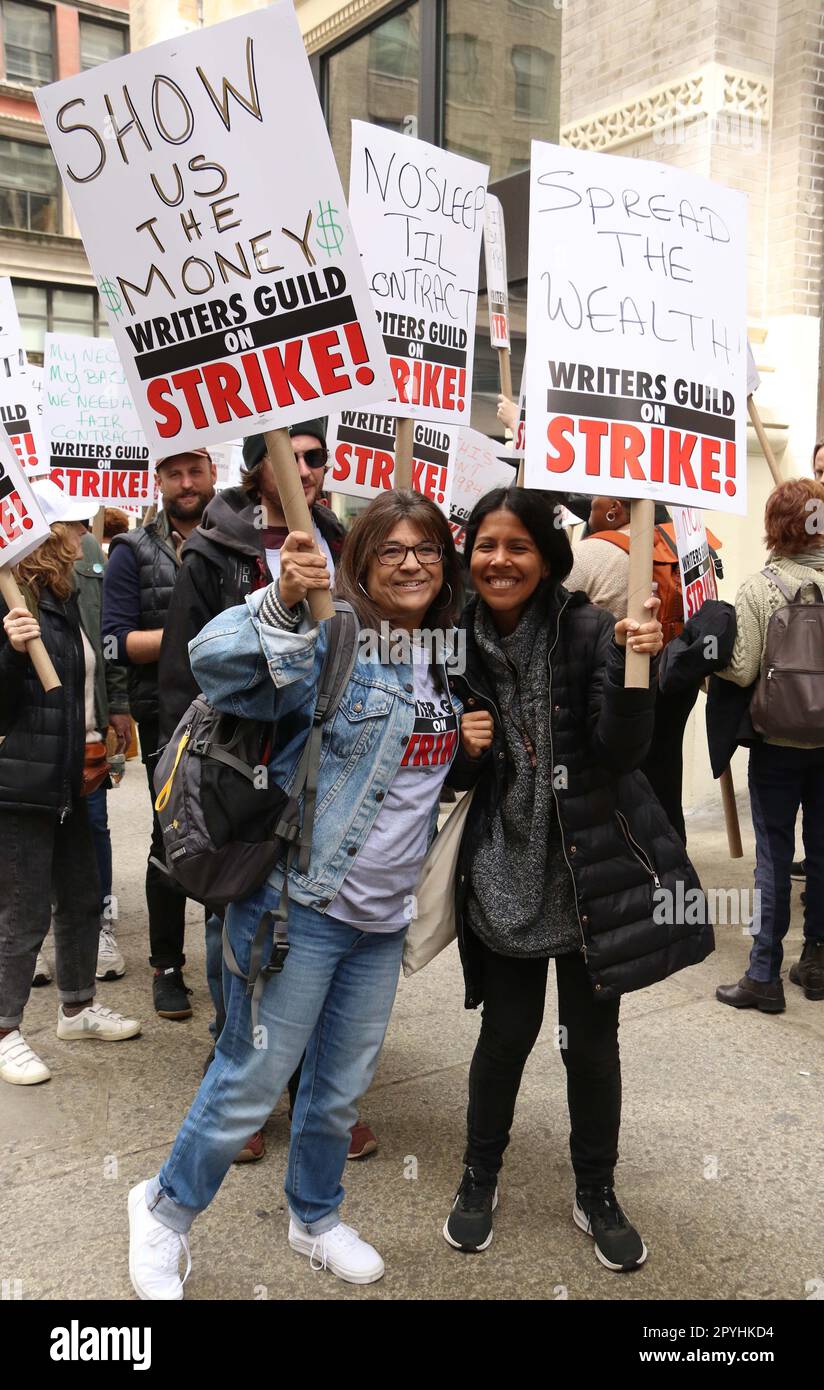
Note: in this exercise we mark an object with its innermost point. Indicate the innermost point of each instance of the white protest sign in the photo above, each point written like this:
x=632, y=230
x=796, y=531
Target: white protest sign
x=480, y=465
x=497, y=287
x=18, y=392
x=753, y=378
x=211, y=210
x=418, y=214
x=694, y=560
x=228, y=460
x=362, y=451
x=22, y=525
x=636, y=370
x=96, y=446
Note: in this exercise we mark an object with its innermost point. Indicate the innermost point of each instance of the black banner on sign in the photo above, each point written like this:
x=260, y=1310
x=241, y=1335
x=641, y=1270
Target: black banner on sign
x=424, y=351
x=642, y=412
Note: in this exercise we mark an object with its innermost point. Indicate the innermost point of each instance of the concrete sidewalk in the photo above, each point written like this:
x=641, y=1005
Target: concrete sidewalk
x=720, y=1144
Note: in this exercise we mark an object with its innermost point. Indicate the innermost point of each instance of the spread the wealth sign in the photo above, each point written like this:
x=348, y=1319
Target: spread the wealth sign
x=96, y=446
x=636, y=323
x=212, y=213
x=19, y=398
x=22, y=525
x=362, y=450
x=419, y=214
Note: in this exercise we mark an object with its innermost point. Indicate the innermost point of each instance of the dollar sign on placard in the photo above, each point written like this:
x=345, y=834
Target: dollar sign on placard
x=330, y=228
x=112, y=298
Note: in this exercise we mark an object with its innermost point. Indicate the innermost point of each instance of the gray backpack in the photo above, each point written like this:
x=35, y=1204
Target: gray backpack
x=788, y=701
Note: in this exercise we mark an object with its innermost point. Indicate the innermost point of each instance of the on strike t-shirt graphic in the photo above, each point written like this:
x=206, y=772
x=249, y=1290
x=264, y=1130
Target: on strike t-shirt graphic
x=374, y=895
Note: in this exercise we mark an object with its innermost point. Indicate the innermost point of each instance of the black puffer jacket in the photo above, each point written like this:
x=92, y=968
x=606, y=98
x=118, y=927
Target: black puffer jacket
x=618, y=842
x=157, y=565
x=222, y=561
x=43, y=736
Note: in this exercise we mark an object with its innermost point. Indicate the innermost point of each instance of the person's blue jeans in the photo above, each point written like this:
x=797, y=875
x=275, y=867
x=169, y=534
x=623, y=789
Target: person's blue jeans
x=333, y=998
x=99, y=825
x=781, y=780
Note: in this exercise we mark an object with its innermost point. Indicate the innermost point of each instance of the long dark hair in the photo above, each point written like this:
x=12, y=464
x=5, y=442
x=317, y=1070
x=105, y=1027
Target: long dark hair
x=373, y=526
x=540, y=513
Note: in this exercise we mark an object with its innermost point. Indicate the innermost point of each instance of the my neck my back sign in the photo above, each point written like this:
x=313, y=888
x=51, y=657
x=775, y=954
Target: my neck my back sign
x=636, y=322
x=212, y=213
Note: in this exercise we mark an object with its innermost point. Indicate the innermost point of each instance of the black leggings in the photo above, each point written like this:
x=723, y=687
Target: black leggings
x=514, y=992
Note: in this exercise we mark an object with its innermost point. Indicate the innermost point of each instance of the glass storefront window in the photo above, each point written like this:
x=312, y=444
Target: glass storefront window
x=374, y=78
x=501, y=90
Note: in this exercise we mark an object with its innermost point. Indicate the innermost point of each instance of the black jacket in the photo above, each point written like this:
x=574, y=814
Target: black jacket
x=690, y=658
x=43, y=736
x=618, y=842
x=157, y=566
x=222, y=561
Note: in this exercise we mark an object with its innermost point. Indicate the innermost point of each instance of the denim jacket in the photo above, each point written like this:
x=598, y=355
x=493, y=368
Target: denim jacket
x=247, y=668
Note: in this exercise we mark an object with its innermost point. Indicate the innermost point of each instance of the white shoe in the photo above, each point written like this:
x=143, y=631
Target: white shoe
x=42, y=971
x=18, y=1064
x=110, y=962
x=340, y=1250
x=154, y=1252
x=96, y=1022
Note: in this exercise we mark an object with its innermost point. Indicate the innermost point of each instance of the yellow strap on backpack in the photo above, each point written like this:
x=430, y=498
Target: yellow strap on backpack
x=166, y=790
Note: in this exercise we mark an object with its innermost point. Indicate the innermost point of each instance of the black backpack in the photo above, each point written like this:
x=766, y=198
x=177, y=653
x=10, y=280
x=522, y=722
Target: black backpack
x=225, y=823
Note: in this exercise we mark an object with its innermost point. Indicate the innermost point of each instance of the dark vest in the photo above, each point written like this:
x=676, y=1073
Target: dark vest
x=157, y=566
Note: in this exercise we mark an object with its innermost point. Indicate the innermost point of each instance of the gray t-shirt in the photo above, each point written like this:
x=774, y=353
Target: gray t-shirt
x=375, y=895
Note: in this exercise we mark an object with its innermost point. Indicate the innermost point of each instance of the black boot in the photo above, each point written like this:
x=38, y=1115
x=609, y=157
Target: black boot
x=808, y=972
x=754, y=994
x=171, y=995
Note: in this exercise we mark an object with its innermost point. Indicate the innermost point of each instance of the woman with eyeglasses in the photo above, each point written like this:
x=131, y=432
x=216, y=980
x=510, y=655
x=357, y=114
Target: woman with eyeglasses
x=384, y=756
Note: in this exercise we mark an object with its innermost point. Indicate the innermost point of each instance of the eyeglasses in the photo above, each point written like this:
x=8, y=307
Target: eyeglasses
x=313, y=458
x=393, y=553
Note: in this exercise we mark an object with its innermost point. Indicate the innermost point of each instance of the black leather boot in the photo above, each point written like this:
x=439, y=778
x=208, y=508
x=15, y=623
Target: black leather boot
x=754, y=994
x=808, y=972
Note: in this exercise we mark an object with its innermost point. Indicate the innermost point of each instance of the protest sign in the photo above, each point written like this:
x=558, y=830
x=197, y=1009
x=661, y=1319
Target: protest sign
x=636, y=371
x=211, y=210
x=362, y=450
x=22, y=529
x=18, y=390
x=96, y=446
x=228, y=460
x=753, y=378
x=694, y=560
x=418, y=215
x=481, y=464
x=497, y=288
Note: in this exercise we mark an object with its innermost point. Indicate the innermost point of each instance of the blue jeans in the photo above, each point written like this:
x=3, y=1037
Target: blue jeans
x=332, y=999
x=99, y=825
x=781, y=780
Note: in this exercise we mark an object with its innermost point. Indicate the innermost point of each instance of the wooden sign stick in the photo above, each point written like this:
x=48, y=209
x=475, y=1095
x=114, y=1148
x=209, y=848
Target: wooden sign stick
x=404, y=446
x=731, y=821
x=98, y=524
x=39, y=657
x=295, y=509
x=505, y=372
x=641, y=533
x=761, y=433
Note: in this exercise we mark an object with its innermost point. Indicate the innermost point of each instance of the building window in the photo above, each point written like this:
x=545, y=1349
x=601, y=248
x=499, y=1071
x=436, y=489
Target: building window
x=55, y=309
x=467, y=77
x=29, y=187
x=27, y=41
x=533, y=76
x=374, y=78
x=101, y=42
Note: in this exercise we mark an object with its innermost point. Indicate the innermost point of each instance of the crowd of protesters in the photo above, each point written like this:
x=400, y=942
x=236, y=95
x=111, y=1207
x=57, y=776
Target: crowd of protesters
x=212, y=595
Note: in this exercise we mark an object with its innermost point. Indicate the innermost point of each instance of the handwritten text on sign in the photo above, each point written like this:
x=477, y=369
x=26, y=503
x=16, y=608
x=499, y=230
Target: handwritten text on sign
x=418, y=212
x=480, y=465
x=96, y=446
x=212, y=213
x=636, y=374
x=362, y=449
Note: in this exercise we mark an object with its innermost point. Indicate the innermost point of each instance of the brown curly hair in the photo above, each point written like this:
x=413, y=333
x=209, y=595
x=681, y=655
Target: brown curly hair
x=51, y=565
x=794, y=516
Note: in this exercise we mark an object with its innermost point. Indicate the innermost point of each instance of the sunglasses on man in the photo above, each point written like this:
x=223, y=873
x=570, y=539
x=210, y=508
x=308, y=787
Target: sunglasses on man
x=313, y=458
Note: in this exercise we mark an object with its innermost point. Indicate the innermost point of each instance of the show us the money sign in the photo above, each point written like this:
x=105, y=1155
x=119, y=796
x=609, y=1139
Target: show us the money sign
x=636, y=323
x=206, y=191
x=362, y=449
x=418, y=213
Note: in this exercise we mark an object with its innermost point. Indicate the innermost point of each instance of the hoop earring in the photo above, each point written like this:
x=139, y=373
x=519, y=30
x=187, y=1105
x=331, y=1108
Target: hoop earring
x=611, y=515
x=447, y=602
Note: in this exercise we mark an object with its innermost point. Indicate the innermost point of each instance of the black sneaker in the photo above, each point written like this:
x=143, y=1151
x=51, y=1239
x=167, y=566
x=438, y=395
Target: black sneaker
x=617, y=1243
x=171, y=996
x=468, y=1226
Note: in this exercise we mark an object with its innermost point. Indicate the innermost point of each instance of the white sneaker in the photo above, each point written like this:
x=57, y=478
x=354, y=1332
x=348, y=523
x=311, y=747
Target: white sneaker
x=18, y=1064
x=340, y=1250
x=42, y=971
x=154, y=1252
x=110, y=962
x=96, y=1022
